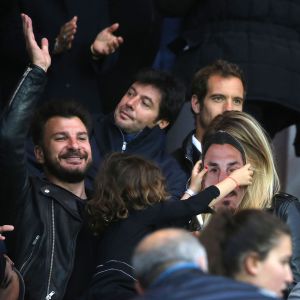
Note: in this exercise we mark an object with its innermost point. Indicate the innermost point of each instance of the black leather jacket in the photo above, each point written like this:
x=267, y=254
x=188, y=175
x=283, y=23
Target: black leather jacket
x=185, y=155
x=45, y=216
x=287, y=208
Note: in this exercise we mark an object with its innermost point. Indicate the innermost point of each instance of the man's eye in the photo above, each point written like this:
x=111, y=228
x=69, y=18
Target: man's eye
x=238, y=101
x=60, y=138
x=83, y=138
x=146, y=103
x=212, y=170
x=218, y=98
x=130, y=93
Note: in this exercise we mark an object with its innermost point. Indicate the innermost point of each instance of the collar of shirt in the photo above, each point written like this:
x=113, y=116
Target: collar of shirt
x=196, y=143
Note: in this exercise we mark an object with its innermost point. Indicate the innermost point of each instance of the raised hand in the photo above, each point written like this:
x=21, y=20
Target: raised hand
x=106, y=42
x=39, y=55
x=243, y=175
x=66, y=36
x=196, y=177
x=5, y=228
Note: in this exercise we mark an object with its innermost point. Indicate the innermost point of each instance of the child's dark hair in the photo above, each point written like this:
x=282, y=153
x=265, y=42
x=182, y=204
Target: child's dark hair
x=124, y=182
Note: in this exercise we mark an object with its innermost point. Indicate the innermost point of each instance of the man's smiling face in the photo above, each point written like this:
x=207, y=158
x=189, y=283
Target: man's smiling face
x=66, y=152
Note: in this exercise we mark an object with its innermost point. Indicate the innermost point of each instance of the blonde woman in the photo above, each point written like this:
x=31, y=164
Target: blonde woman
x=253, y=147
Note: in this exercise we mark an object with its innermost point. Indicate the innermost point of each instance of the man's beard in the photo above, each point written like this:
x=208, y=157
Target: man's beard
x=202, y=121
x=63, y=174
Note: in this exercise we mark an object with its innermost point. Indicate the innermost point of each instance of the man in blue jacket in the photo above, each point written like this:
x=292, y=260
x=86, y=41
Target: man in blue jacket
x=138, y=125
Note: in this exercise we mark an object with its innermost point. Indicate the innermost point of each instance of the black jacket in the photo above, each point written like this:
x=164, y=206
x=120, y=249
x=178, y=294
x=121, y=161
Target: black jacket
x=45, y=216
x=150, y=144
x=261, y=36
x=287, y=208
x=187, y=155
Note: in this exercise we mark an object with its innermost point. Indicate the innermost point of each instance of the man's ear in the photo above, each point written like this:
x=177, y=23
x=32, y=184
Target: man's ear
x=139, y=288
x=195, y=103
x=163, y=123
x=252, y=263
x=39, y=154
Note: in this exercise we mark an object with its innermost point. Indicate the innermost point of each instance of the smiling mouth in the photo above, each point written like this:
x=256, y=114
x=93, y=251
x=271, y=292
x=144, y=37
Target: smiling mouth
x=74, y=157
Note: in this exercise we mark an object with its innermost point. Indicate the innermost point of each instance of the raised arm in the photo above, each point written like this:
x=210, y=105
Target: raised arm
x=15, y=120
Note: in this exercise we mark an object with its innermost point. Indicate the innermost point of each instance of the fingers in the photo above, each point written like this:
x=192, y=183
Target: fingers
x=203, y=171
x=197, y=168
x=45, y=45
x=27, y=29
x=112, y=28
x=5, y=228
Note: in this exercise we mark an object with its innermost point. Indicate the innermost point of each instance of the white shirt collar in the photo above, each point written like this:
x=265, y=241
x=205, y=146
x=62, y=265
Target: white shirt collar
x=196, y=143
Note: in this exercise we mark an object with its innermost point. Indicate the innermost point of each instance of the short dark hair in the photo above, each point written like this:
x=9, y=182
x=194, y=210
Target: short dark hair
x=172, y=92
x=229, y=238
x=58, y=108
x=220, y=67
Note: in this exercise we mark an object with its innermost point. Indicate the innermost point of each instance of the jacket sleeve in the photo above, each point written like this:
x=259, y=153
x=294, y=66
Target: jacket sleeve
x=14, y=128
x=287, y=208
x=170, y=211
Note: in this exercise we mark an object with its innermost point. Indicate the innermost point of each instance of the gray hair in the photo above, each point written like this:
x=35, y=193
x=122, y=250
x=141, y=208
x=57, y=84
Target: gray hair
x=163, y=248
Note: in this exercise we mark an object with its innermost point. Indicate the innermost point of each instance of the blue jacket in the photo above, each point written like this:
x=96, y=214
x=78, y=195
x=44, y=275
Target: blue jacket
x=150, y=144
x=192, y=284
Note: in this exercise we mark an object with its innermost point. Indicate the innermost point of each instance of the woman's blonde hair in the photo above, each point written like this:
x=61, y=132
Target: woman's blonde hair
x=249, y=133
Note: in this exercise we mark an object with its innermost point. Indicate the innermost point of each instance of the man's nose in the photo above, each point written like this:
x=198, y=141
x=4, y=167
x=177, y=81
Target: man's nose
x=289, y=275
x=222, y=175
x=228, y=105
x=73, y=143
x=132, y=102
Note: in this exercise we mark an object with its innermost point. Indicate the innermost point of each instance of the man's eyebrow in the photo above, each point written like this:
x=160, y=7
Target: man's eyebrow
x=233, y=163
x=212, y=164
x=132, y=88
x=239, y=98
x=59, y=133
x=230, y=164
x=217, y=95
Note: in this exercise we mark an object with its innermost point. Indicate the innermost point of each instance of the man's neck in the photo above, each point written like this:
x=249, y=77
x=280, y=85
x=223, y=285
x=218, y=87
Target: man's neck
x=78, y=189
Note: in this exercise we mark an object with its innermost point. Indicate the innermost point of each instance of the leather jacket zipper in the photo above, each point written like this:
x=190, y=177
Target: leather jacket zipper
x=50, y=294
x=28, y=259
x=19, y=85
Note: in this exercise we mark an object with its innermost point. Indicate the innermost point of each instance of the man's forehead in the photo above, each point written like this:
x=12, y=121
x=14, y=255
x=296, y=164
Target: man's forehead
x=147, y=89
x=64, y=122
x=224, y=153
